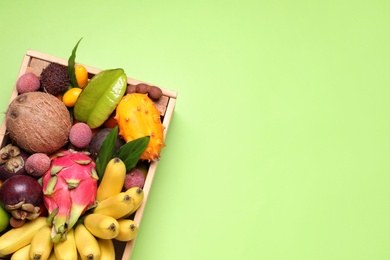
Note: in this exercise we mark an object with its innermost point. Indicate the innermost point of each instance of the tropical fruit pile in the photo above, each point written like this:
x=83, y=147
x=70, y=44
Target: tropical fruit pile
x=73, y=170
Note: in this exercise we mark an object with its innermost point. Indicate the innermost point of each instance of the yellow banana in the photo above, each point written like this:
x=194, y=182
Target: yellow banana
x=17, y=238
x=41, y=244
x=86, y=243
x=128, y=230
x=21, y=254
x=107, y=250
x=137, y=194
x=115, y=206
x=113, y=179
x=102, y=226
x=66, y=250
x=52, y=255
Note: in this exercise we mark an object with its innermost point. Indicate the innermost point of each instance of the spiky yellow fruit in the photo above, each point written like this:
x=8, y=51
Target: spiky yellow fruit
x=138, y=116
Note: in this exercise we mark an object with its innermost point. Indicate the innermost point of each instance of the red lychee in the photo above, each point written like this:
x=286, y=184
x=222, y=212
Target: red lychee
x=134, y=178
x=80, y=135
x=37, y=164
x=28, y=82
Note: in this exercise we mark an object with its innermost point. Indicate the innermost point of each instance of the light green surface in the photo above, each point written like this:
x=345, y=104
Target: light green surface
x=279, y=144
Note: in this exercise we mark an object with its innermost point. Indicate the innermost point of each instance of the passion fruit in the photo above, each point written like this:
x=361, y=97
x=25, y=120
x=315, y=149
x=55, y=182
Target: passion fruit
x=97, y=141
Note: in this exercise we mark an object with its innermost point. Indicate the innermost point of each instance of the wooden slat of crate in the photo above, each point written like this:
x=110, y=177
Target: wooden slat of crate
x=148, y=182
x=35, y=61
x=39, y=61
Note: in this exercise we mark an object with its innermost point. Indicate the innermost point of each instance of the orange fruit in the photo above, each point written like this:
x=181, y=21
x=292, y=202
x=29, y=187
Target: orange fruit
x=111, y=121
x=81, y=75
x=70, y=97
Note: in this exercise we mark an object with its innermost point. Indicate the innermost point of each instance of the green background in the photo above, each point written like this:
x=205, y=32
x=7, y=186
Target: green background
x=279, y=145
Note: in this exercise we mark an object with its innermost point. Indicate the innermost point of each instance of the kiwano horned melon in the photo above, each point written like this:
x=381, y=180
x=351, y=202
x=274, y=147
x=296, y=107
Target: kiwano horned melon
x=38, y=122
x=137, y=116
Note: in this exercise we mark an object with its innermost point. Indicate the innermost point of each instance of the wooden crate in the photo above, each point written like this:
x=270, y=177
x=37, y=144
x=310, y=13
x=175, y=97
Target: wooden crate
x=35, y=61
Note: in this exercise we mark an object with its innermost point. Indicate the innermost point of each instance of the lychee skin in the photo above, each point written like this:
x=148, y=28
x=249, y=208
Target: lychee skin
x=134, y=178
x=80, y=135
x=37, y=164
x=28, y=82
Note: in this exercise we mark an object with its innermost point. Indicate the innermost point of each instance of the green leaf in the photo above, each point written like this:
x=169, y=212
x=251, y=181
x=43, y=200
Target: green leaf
x=106, y=151
x=131, y=151
x=71, y=63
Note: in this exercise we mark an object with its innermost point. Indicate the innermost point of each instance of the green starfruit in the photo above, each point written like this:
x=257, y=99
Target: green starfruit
x=100, y=97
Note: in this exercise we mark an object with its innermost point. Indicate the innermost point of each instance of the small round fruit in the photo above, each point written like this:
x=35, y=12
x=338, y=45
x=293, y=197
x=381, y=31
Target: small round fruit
x=142, y=88
x=54, y=79
x=134, y=178
x=70, y=97
x=155, y=93
x=37, y=164
x=81, y=75
x=111, y=121
x=97, y=141
x=131, y=89
x=80, y=135
x=28, y=82
x=4, y=218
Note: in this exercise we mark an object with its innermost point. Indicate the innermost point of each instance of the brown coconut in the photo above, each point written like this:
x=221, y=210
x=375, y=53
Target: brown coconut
x=38, y=122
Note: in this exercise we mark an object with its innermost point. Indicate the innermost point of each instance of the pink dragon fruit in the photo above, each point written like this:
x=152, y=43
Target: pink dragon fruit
x=69, y=189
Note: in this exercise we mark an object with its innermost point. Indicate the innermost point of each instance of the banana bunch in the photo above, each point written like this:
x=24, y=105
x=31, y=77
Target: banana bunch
x=90, y=238
x=18, y=238
x=36, y=244
x=112, y=201
x=109, y=219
